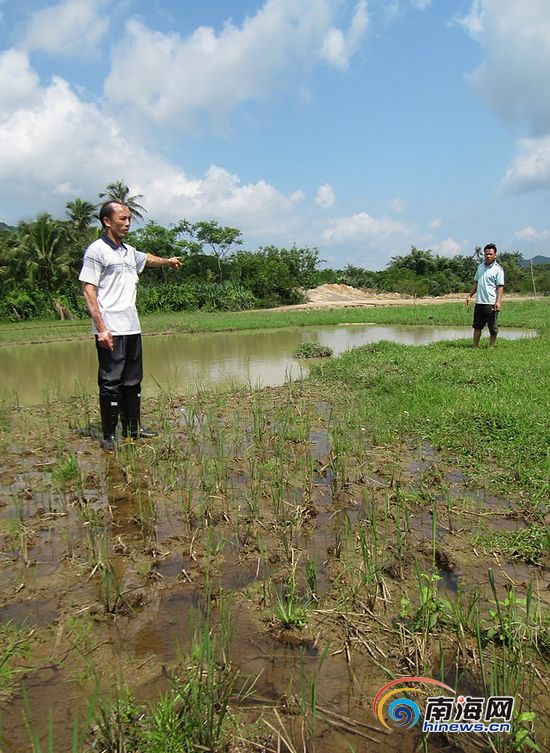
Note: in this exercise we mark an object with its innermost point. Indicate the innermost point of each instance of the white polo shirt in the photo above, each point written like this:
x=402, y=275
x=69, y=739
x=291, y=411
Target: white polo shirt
x=488, y=280
x=114, y=271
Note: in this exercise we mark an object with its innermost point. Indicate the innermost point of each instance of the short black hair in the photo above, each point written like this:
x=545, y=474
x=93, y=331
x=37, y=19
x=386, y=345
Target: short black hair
x=491, y=247
x=108, y=208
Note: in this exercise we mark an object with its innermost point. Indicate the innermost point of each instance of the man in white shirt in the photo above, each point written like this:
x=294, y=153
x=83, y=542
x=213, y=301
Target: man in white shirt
x=488, y=288
x=109, y=275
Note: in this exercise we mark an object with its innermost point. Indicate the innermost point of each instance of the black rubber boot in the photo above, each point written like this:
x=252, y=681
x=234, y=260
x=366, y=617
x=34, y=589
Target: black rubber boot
x=130, y=414
x=108, y=405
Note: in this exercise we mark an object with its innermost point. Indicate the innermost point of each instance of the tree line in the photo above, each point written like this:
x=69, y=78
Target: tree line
x=40, y=261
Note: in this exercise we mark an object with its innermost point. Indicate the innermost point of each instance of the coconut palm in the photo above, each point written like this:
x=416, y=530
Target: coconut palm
x=119, y=191
x=80, y=213
x=42, y=250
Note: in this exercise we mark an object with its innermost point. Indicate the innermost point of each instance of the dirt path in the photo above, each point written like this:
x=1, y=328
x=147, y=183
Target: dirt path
x=335, y=296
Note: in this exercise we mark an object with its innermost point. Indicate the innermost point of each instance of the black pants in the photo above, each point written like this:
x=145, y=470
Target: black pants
x=120, y=367
x=485, y=314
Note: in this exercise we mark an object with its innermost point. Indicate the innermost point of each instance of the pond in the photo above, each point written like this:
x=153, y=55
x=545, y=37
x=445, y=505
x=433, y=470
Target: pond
x=183, y=363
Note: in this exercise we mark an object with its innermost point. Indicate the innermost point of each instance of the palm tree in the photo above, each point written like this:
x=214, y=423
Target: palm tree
x=80, y=213
x=119, y=191
x=42, y=249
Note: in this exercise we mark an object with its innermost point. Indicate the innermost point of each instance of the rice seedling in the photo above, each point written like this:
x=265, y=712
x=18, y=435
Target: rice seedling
x=67, y=469
x=289, y=612
x=206, y=686
x=116, y=721
x=309, y=695
x=23, y=534
x=15, y=644
x=402, y=533
x=338, y=459
x=311, y=568
x=111, y=590
x=289, y=608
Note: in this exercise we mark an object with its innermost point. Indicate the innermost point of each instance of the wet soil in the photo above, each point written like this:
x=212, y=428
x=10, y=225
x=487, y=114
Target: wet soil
x=109, y=562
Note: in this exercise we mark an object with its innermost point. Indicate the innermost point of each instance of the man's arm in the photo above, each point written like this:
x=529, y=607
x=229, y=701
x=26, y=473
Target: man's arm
x=159, y=261
x=500, y=293
x=471, y=293
x=104, y=336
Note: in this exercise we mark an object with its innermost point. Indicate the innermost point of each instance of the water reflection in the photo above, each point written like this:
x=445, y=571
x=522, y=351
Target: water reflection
x=182, y=363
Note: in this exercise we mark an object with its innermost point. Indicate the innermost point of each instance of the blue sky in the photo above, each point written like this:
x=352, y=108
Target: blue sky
x=361, y=128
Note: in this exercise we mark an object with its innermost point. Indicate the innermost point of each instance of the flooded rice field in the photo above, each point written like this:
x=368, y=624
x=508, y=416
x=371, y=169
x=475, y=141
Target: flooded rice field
x=183, y=363
x=262, y=563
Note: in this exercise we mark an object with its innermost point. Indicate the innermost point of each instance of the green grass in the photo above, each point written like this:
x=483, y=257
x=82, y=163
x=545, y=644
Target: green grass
x=487, y=409
x=530, y=544
x=515, y=314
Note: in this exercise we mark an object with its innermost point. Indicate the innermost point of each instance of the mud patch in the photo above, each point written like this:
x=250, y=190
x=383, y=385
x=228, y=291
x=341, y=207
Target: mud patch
x=263, y=514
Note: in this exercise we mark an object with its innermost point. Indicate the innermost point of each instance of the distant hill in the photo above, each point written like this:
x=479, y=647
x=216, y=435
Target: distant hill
x=3, y=226
x=536, y=260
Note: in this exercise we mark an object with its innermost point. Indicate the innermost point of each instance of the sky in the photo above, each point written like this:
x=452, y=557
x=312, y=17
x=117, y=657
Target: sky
x=360, y=128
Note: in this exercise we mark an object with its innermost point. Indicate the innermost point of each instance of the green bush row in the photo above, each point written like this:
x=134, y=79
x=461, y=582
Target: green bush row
x=191, y=295
x=25, y=303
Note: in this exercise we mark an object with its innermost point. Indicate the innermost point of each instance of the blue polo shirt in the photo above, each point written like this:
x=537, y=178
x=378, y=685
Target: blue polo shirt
x=114, y=271
x=488, y=280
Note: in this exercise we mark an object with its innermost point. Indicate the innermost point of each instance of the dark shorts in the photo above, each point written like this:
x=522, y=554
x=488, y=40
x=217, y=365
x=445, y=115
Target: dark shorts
x=485, y=314
x=121, y=367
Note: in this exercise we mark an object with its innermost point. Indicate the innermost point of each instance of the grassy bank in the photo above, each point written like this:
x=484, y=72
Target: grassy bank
x=487, y=409
x=516, y=314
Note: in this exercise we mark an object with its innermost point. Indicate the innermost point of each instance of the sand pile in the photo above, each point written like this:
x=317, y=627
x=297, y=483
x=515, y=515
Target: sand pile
x=333, y=293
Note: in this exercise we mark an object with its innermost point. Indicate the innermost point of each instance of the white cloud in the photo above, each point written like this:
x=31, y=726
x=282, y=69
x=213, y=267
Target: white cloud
x=174, y=78
x=339, y=47
x=18, y=82
x=473, y=20
x=73, y=27
x=434, y=224
x=530, y=234
x=531, y=168
x=448, y=247
x=55, y=146
x=325, y=196
x=514, y=76
x=362, y=226
x=393, y=8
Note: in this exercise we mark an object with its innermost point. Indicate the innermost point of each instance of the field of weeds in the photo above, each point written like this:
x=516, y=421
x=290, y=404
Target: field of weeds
x=252, y=578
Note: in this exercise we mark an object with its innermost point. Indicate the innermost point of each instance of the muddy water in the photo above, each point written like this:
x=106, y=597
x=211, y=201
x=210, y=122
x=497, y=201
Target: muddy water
x=183, y=363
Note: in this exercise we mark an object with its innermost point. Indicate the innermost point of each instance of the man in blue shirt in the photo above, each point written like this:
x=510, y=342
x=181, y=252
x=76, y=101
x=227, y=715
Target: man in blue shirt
x=488, y=288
